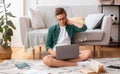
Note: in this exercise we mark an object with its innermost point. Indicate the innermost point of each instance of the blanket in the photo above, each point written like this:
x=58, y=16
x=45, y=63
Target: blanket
x=8, y=67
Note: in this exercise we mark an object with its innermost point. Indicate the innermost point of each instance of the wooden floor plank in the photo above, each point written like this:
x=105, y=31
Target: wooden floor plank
x=20, y=53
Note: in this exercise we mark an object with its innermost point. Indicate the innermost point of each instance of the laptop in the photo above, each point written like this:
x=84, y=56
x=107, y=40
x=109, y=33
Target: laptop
x=67, y=51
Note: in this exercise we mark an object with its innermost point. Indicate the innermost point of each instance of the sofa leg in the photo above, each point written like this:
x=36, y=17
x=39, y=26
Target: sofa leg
x=40, y=52
x=99, y=51
x=33, y=51
x=101, y=46
x=94, y=51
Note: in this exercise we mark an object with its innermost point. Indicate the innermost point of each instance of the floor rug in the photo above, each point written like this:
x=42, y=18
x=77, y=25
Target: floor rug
x=8, y=67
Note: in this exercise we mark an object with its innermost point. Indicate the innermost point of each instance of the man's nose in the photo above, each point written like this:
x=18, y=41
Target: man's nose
x=61, y=21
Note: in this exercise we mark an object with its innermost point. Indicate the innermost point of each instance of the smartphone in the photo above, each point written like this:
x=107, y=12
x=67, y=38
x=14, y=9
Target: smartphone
x=114, y=67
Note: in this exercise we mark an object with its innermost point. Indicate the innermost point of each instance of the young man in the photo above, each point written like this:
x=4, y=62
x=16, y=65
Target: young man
x=62, y=34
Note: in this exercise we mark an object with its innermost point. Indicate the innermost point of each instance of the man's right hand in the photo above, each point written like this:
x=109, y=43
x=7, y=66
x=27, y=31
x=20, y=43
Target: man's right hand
x=52, y=53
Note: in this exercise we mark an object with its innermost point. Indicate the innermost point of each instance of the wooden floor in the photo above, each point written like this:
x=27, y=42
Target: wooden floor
x=106, y=52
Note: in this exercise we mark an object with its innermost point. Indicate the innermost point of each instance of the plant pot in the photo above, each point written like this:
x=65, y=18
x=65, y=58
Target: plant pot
x=5, y=53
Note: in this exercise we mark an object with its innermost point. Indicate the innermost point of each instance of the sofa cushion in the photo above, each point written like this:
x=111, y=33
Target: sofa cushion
x=94, y=35
x=89, y=35
x=36, y=19
x=94, y=21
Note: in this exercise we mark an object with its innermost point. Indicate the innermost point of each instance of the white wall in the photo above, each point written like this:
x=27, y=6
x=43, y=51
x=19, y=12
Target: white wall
x=32, y=3
x=29, y=4
x=17, y=9
x=67, y=2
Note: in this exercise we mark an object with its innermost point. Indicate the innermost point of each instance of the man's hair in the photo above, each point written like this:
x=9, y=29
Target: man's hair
x=59, y=11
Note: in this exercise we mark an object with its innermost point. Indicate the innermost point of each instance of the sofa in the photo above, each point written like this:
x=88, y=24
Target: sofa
x=31, y=35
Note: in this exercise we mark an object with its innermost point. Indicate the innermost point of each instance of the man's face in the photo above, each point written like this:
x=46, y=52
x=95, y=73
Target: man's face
x=62, y=19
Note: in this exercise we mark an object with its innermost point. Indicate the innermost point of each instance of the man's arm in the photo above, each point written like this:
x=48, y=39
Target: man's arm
x=49, y=43
x=79, y=25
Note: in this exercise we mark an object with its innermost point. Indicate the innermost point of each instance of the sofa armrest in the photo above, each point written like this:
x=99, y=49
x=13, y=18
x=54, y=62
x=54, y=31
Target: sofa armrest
x=25, y=26
x=106, y=27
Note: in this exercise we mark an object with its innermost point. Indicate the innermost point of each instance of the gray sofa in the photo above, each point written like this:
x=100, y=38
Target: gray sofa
x=32, y=37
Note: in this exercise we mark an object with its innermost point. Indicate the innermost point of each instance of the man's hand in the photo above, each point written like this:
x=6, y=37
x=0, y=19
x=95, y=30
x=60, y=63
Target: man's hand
x=79, y=25
x=50, y=50
x=53, y=53
x=71, y=22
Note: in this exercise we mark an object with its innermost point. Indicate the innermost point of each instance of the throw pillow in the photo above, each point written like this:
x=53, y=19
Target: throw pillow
x=36, y=19
x=94, y=21
x=78, y=19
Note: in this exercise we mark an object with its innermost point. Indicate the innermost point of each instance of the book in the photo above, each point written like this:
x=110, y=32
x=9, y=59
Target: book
x=94, y=67
x=22, y=65
x=87, y=71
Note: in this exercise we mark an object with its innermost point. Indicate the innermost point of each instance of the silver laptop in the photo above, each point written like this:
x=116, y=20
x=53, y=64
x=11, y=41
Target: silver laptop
x=67, y=51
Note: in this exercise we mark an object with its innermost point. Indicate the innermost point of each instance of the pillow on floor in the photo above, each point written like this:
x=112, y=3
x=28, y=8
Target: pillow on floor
x=36, y=19
x=94, y=21
x=78, y=19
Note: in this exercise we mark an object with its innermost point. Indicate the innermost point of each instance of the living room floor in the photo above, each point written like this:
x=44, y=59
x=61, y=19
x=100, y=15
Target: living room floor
x=19, y=53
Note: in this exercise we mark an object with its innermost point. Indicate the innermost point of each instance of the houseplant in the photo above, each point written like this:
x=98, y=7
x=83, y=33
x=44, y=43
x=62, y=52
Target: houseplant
x=6, y=30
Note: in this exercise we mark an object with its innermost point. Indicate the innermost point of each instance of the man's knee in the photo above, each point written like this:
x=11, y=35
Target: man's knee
x=48, y=60
x=86, y=54
x=89, y=52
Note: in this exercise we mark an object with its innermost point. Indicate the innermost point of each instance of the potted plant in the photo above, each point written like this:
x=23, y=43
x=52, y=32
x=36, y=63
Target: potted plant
x=6, y=30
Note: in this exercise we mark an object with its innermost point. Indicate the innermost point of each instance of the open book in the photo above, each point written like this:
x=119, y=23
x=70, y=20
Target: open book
x=94, y=67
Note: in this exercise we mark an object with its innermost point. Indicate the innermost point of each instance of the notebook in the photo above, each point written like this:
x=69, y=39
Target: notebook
x=67, y=51
x=22, y=65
